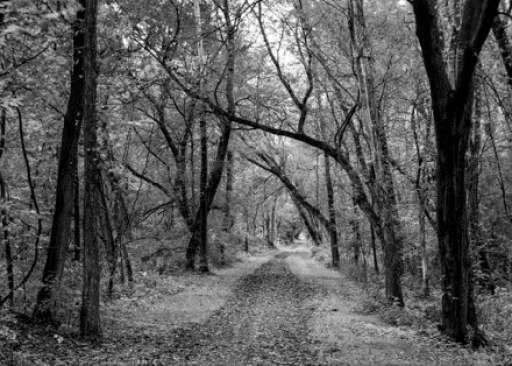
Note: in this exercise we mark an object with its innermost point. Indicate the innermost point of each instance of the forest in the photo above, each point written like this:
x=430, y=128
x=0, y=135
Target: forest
x=256, y=182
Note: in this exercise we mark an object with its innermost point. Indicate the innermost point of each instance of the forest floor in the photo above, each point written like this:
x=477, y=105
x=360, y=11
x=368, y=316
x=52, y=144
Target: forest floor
x=282, y=308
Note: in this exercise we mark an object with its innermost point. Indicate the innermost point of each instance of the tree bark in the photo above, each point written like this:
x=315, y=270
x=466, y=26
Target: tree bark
x=500, y=35
x=356, y=239
x=5, y=218
x=452, y=107
x=222, y=146
x=90, y=323
x=203, y=204
x=48, y=294
x=384, y=191
x=333, y=231
x=228, y=218
x=76, y=213
x=425, y=288
x=304, y=215
x=107, y=227
x=203, y=179
x=374, y=249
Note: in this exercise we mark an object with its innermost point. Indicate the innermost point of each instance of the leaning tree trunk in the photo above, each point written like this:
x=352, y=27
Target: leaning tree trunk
x=90, y=324
x=47, y=296
x=499, y=30
x=452, y=107
x=304, y=215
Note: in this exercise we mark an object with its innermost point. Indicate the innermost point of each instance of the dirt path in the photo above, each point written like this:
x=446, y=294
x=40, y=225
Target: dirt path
x=290, y=311
x=264, y=323
x=294, y=311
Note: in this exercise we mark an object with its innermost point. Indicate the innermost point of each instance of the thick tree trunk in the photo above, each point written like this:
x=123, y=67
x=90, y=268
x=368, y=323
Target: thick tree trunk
x=452, y=107
x=90, y=324
x=453, y=235
x=47, y=296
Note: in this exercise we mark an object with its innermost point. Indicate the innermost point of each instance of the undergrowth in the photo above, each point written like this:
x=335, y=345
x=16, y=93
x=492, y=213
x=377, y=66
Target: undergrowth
x=424, y=315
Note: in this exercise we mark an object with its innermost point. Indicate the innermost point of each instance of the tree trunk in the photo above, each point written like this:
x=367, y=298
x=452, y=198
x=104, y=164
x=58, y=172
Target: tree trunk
x=273, y=222
x=90, y=324
x=107, y=227
x=47, y=296
x=384, y=191
x=333, y=231
x=201, y=238
x=222, y=146
x=76, y=213
x=5, y=218
x=356, y=232
x=6, y=242
x=228, y=218
x=454, y=241
x=332, y=226
x=452, y=107
x=425, y=288
x=473, y=172
x=203, y=205
x=499, y=30
x=127, y=262
x=374, y=249
x=313, y=233
x=420, y=183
